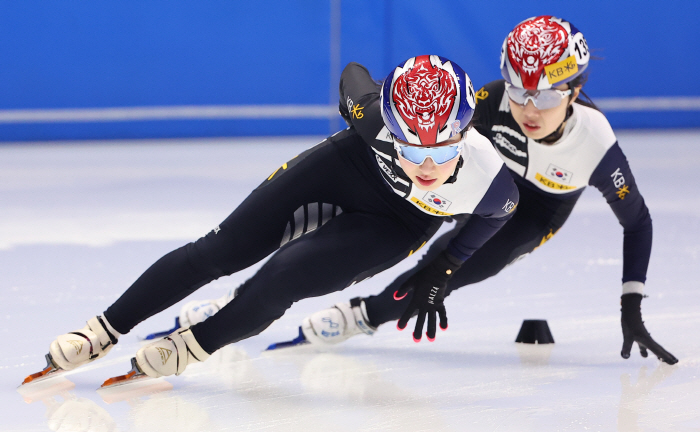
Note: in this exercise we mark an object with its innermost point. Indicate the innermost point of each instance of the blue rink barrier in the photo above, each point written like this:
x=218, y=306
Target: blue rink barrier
x=213, y=121
x=74, y=60
x=161, y=129
x=167, y=122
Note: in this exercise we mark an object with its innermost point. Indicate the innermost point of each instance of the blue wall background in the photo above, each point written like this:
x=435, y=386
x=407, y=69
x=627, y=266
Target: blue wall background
x=105, y=54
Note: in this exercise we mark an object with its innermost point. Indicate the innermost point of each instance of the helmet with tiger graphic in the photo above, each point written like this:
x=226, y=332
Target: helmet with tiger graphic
x=543, y=52
x=426, y=100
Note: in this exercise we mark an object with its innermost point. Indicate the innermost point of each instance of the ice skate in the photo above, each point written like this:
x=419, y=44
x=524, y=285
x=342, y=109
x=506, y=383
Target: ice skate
x=50, y=370
x=164, y=357
x=77, y=348
x=331, y=326
x=195, y=312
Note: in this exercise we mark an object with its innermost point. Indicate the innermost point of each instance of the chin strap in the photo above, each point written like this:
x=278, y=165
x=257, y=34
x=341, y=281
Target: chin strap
x=453, y=177
x=554, y=136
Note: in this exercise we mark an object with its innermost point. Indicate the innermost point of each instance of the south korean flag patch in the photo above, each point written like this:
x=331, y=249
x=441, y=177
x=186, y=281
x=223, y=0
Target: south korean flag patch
x=437, y=201
x=559, y=174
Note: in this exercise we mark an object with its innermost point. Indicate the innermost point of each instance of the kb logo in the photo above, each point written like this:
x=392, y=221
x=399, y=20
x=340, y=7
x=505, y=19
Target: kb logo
x=618, y=179
x=510, y=205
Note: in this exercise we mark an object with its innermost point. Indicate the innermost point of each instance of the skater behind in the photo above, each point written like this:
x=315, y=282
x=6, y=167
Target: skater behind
x=554, y=145
x=357, y=203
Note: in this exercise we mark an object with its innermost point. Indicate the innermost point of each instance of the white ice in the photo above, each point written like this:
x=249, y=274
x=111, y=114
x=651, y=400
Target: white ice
x=79, y=222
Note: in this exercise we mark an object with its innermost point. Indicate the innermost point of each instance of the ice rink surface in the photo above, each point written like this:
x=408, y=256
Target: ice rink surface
x=79, y=222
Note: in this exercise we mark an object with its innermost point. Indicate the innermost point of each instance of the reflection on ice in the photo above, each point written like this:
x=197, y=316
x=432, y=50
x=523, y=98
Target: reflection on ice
x=634, y=396
x=66, y=412
x=76, y=414
x=165, y=412
x=534, y=354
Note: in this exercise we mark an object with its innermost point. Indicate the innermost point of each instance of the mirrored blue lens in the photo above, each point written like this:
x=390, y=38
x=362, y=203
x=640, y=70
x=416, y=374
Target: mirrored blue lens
x=439, y=155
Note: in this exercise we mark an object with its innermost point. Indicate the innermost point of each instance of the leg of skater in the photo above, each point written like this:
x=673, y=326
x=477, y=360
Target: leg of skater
x=253, y=231
x=348, y=249
x=290, y=204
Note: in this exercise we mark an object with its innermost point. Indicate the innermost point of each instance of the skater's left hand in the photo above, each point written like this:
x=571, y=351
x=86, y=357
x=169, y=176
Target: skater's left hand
x=428, y=286
x=633, y=330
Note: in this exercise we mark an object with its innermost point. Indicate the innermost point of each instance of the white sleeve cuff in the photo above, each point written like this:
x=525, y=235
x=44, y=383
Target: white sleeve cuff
x=633, y=287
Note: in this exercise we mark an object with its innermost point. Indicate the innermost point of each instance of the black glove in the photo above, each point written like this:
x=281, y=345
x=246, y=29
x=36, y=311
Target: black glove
x=633, y=330
x=428, y=286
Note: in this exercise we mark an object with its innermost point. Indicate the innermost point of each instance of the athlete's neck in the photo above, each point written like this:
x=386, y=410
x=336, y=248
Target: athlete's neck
x=557, y=134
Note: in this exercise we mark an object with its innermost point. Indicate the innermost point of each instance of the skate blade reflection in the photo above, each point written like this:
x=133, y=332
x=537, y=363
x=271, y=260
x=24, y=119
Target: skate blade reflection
x=45, y=388
x=534, y=354
x=133, y=389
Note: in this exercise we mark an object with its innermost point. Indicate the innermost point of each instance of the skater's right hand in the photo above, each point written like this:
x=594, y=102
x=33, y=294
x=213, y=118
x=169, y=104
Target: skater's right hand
x=428, y=286
x=633, y=330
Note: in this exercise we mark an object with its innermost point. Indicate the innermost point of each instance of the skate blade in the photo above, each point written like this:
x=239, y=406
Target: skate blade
x=51, y=370
x=299, y=340
x=158, y=335
x=135, y=374
x=131, y=385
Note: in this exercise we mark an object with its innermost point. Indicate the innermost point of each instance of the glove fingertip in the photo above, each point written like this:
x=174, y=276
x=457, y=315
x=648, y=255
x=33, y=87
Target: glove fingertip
x=670, y=361
x=416, y=340
x=399, y=328
x=625, y=355
x=431, y=339
x=443, y=328
x=397, y=297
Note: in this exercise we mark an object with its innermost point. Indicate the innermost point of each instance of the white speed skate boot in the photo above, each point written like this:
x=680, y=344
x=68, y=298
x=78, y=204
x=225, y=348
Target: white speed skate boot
x=338, y=323
x=77, y=348
x=170, y=355
x=197, y=311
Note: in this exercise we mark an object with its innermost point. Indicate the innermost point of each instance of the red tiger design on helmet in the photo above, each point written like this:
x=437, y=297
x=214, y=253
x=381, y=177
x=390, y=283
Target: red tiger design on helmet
x=424, y=95
x=534, y=44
